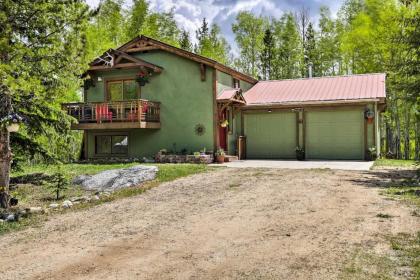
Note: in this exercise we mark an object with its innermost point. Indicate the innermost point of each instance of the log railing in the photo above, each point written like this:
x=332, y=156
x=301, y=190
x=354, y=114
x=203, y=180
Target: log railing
x=114, y=111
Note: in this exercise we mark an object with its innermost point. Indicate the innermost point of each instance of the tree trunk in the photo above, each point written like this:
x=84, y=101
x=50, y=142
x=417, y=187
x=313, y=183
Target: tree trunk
x=417, y=139
x=5, y=159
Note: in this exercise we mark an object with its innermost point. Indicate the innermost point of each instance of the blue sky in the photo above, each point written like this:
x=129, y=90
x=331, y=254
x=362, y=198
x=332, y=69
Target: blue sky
x=189, y=13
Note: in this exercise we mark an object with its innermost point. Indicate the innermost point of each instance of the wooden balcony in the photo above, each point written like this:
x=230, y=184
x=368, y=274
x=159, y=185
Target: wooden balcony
x=115, y=114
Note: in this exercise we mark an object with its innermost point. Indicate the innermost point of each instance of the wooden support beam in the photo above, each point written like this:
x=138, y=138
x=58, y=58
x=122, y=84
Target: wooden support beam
x=203, y=72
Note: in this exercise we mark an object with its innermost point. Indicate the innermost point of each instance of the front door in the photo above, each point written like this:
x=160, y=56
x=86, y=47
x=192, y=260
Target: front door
x=222, y=131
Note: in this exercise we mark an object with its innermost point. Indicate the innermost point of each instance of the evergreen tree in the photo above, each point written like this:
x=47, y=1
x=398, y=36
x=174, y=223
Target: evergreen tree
x=267, y=54
x=211, y=43
x=310, y=52
x=184, y=41
x=41, y=57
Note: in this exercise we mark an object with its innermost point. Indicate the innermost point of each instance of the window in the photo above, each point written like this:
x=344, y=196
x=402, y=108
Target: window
x=236, y=83
x=122, y=90
x=111, y=144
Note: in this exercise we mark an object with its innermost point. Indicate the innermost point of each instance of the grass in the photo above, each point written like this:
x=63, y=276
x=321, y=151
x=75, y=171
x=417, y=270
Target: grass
x=408, y=194
x=40, y=195
x=365, y=265
x=404, y=261
x=395, y=163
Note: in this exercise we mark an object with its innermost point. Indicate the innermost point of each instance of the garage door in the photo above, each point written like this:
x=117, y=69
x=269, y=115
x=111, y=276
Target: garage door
x=270, y=135
x=334, y=135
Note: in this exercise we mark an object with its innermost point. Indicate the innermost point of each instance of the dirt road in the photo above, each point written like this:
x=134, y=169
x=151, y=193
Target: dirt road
x=224, y=224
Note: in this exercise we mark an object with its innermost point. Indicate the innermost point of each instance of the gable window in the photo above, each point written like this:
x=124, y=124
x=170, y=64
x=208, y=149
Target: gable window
x=122, y=90
x=236, y=83
x=111, y=144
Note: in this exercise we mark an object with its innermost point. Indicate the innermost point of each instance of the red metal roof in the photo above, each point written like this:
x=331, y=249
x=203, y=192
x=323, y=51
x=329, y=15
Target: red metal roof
x=227, y=94
x=337, y=88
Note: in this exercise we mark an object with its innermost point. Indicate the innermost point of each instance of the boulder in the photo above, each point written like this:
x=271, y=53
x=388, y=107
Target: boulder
x=67, y=204
x=34, y=210
x=111, y=180
x=54, y=205
x=12, y=218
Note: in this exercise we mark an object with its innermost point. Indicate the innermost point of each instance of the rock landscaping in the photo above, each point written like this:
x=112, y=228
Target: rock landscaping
x=174, y=158
x=111, y=180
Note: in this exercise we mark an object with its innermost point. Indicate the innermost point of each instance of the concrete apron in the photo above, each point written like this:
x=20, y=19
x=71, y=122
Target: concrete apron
x=294, y=164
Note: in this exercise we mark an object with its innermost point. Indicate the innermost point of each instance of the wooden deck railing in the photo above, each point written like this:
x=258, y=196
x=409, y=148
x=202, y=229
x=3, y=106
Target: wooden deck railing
x=114, y=111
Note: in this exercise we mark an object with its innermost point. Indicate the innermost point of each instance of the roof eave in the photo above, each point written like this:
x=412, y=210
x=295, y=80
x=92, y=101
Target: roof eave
x=320, y=102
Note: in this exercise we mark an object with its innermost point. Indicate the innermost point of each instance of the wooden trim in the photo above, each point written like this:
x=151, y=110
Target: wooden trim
x=361, y=102
x=115, y=125
x=203, y=72
x=297, y=128
x=111, y=133
x=116, y=79
x=86, y=144
x=142, y=49
x=189, y=55
x=242, y=124
x=304, y=132
x=215, y=113
x=365, y=138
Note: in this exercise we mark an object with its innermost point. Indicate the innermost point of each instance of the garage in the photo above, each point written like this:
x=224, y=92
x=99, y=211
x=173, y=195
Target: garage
x=270, y=135
x=334, y=134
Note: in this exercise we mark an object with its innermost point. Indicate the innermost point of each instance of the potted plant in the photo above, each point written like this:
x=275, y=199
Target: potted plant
x=142, y=78
x=11, y=122
x=220, y=155
x=372, y=153
x=224, y=123
x=300, y=153
x=369, y=115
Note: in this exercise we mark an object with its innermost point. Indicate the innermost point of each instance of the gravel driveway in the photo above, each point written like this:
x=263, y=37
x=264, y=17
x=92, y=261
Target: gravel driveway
x=224, y=224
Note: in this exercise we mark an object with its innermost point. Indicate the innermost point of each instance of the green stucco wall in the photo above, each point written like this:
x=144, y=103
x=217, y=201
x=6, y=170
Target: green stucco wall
x=186, y=101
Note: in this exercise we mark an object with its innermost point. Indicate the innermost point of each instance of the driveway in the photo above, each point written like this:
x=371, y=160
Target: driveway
x=295, y=164
x=225, y=224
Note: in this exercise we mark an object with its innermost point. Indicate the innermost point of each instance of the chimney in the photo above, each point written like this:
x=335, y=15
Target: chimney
x=310, y=69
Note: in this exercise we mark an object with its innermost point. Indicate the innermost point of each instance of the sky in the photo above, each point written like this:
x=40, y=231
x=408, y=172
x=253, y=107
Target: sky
x=190, y=13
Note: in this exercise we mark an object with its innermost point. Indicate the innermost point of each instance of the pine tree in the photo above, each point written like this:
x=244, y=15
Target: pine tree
x=184, y=41
x=310, y=55
x=41, y=58
x=267, y=54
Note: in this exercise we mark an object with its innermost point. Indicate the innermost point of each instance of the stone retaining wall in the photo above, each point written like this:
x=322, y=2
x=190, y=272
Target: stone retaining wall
x=201, y=159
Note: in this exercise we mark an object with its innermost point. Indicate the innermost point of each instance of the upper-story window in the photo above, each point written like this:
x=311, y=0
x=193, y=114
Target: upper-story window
x=236, y=83
x=122, y=90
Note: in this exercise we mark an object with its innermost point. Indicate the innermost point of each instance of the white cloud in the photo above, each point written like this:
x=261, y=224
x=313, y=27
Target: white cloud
x=189, y=13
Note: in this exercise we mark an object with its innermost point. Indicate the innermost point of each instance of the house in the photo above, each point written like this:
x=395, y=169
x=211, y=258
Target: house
x=147, y=95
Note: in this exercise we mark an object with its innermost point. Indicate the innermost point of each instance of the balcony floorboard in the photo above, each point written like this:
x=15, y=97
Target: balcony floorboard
x=116, y=125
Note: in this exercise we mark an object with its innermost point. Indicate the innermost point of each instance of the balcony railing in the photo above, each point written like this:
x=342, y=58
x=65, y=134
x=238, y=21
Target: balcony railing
x=115, y=111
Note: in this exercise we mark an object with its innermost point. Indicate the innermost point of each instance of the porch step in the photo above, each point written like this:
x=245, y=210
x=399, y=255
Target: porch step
x=230, y=158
